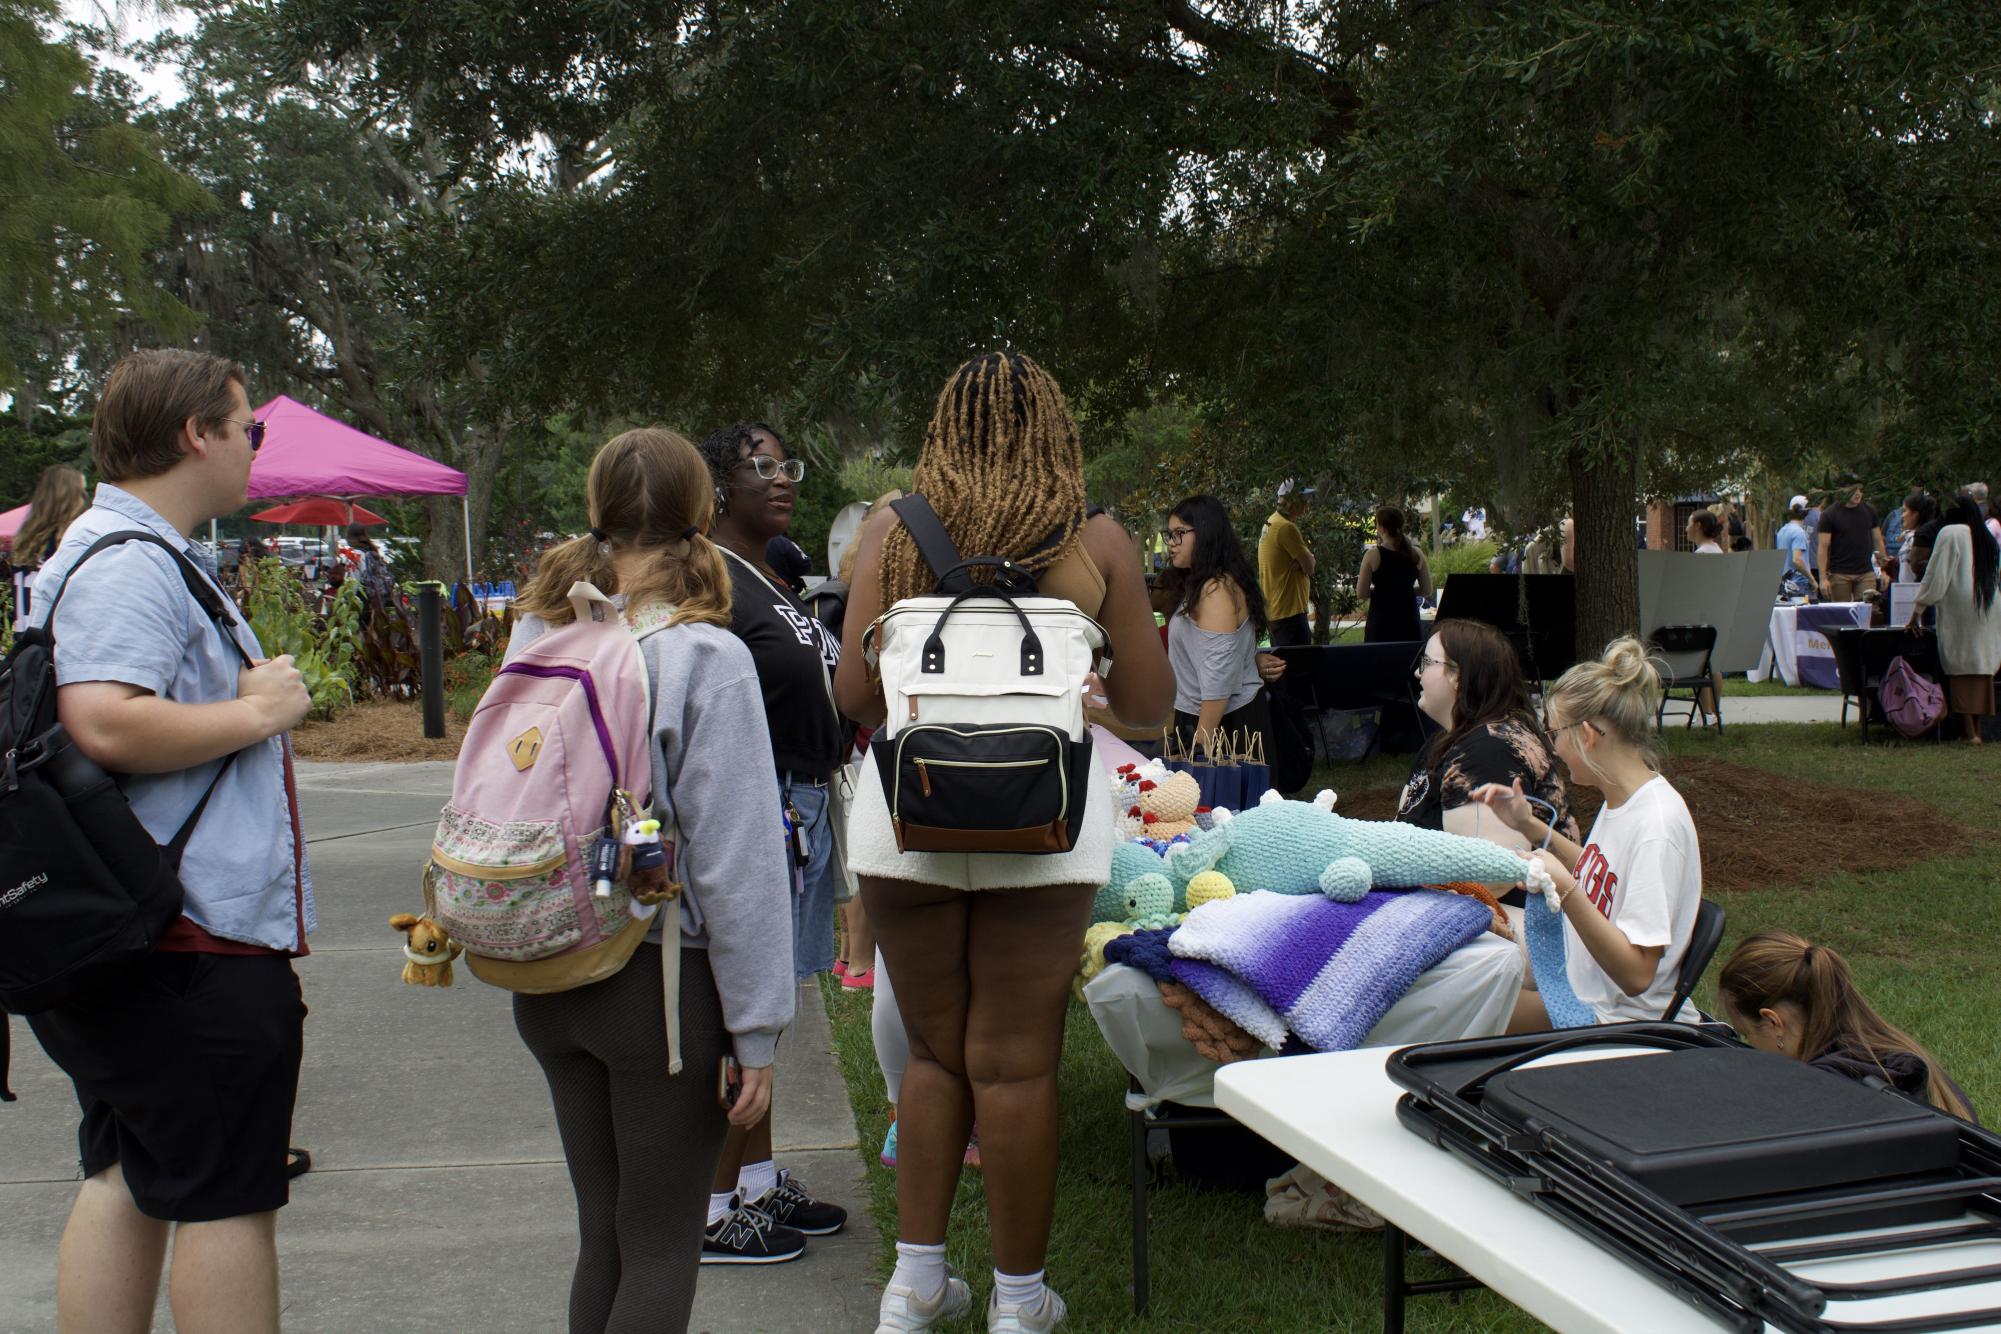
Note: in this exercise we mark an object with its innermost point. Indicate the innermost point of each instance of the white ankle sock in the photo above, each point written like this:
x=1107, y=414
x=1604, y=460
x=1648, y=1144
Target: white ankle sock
x=754, y=1179
x=1018, y=1290
x=719, y=1205
x=920, y=1269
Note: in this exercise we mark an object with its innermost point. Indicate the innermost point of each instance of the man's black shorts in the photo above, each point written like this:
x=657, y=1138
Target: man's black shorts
x=186, y=1071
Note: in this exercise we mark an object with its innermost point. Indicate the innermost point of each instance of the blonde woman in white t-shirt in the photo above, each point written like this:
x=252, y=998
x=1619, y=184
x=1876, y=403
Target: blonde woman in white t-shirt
x=1631, y=891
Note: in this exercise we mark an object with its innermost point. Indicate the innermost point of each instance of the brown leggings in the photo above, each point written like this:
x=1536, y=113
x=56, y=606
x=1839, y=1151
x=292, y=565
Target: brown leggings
x=641, y=1144
x=983, y=982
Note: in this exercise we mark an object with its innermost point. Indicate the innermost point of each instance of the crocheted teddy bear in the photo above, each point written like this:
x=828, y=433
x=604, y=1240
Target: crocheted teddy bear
x=1297, y=847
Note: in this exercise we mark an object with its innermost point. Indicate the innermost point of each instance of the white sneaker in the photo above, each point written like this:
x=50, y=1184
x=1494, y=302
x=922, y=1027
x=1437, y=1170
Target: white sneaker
x=1040, y=1318
x=902, y=1312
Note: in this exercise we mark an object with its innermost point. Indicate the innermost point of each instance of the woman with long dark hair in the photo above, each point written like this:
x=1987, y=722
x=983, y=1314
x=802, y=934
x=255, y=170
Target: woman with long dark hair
x=1216, y=616
x=1470, y=683
x=1959, y=581
x=1393, y=575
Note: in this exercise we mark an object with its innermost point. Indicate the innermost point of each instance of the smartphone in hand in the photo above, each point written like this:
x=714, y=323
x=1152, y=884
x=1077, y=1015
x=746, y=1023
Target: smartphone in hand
x=729, y=1082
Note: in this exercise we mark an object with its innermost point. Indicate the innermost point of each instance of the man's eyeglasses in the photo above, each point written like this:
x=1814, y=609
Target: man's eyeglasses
x=768, y=467
x=253, y=429
x=1174, y=537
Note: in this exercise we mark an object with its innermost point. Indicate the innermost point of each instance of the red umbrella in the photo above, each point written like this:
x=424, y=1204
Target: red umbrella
x=323, y=511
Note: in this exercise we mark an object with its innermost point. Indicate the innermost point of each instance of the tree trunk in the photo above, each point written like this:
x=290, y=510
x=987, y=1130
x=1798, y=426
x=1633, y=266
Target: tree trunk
x=1603, y=500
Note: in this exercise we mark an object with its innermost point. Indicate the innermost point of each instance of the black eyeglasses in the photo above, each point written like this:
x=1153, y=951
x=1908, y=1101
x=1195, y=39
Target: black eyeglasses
x=768, y=467
x=1174, y=537
x=253, y=429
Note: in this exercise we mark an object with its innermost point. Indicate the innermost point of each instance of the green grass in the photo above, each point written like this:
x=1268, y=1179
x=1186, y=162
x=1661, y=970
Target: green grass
x=1737, y=685
x=1920, y=941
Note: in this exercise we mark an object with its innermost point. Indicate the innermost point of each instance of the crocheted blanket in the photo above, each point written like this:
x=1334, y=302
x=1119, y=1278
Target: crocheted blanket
x=1325, y=970
x=1146, y=951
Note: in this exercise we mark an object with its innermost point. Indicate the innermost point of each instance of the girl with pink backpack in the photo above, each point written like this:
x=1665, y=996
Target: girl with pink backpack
x=641, y=1140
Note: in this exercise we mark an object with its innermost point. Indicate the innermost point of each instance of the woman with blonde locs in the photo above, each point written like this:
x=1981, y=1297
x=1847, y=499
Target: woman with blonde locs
x=642, y=1145
x=982, y=945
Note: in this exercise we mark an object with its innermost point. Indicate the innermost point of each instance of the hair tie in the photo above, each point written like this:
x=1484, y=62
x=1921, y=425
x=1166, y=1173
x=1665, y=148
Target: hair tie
x=599, y=534
x=1806, y=960
x=688, y=533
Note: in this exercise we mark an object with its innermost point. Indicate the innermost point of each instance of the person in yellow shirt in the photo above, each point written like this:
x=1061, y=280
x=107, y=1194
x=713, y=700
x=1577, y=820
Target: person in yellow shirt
x=1285, y=568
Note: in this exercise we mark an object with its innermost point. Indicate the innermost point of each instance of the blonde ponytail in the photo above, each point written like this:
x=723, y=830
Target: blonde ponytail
x=548, y=593
x=648, y=492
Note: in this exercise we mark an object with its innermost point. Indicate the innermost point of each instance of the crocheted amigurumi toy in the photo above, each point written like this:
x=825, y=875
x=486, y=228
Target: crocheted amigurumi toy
x=1166, y=805
x=1298, y=847
x=1100, y=935
x=1207, y=887
x=1129, y=861
x=428, y=951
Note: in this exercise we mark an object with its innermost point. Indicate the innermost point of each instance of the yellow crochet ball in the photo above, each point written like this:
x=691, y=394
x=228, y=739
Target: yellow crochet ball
x=1208, y=887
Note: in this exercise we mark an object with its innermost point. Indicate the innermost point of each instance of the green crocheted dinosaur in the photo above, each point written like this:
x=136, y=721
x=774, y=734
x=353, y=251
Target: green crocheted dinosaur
x=1298, y=847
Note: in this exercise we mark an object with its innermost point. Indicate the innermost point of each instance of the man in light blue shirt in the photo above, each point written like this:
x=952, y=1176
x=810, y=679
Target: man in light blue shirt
x=186, y=1069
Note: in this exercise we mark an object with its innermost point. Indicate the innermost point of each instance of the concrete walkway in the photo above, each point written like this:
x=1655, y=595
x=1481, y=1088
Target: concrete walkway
x=1822, y=708
x=438, y=1197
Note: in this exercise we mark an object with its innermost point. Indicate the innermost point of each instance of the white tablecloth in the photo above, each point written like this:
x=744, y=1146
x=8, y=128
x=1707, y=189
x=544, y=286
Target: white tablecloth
x=1782, y=637
x=1470, y=993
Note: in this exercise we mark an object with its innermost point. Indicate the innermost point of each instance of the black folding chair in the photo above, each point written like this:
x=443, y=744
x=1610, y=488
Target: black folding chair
x=1702, y=943
x=1678, y=643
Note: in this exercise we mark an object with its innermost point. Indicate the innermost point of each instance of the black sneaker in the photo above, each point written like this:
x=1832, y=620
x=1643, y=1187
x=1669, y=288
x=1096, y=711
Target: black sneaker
x=746, y=1236
x=790, y=1206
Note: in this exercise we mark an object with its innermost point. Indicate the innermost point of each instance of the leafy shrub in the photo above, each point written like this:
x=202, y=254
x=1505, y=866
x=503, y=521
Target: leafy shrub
x=323, y=649
x=466, y=679
x=1462, y=558
x=390, y=655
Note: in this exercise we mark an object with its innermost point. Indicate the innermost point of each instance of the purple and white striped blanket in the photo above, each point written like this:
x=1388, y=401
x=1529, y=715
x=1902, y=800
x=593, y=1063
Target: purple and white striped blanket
x=1324, y=970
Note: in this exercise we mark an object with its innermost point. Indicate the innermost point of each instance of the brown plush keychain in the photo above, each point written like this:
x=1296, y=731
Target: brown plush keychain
x=429, y=951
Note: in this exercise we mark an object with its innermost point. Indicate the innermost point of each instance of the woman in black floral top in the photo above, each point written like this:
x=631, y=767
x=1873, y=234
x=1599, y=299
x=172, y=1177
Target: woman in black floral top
x=1472, y=687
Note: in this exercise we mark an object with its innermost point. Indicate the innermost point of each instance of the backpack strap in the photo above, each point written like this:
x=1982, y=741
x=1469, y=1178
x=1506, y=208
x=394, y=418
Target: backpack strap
x=210, y=599
x=218, y=610
x=942, y=554
x=933, y=542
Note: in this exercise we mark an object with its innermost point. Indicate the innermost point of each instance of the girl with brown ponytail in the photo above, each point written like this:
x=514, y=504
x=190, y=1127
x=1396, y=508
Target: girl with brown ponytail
x=1785, y=995
x=982, y=945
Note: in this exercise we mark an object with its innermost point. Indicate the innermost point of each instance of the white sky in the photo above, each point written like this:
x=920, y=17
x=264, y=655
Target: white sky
x=135, y=22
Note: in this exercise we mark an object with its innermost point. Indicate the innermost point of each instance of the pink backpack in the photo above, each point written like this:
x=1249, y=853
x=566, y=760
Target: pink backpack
x=554, y=761
x=1911, y=703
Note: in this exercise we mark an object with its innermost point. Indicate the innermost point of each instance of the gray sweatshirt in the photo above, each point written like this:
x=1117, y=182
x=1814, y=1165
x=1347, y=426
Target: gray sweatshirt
x=708, y=714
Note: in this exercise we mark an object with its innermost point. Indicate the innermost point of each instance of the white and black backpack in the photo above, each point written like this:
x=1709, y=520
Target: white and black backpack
x=985, y=748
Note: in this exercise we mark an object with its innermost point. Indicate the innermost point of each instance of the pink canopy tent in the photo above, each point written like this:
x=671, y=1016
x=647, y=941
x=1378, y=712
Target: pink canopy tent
x=10, y=523
x=308, y=453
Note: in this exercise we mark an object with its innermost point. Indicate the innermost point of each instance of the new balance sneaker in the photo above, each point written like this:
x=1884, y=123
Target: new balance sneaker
x=902, y=1313
x=1039, y=1318
x=748, y=1236
x=790, y=1206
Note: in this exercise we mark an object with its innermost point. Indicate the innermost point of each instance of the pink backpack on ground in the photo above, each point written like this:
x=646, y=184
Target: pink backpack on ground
x=554, y=761
x=1911, y=703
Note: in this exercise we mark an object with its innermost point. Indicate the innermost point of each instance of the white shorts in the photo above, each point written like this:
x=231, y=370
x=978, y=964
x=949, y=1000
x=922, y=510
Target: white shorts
x=872, y=846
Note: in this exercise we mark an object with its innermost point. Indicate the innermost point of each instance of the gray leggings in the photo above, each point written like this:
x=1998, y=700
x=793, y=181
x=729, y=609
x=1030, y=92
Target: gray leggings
x=642, y=1146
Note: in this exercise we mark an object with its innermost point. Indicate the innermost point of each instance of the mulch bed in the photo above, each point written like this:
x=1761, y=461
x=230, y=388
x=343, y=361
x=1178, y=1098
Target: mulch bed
x=1761, y=830
x=377, y=730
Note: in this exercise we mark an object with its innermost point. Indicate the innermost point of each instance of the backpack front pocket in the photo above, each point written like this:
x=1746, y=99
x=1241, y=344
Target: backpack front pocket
x=504, y=891
x=981, y=789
